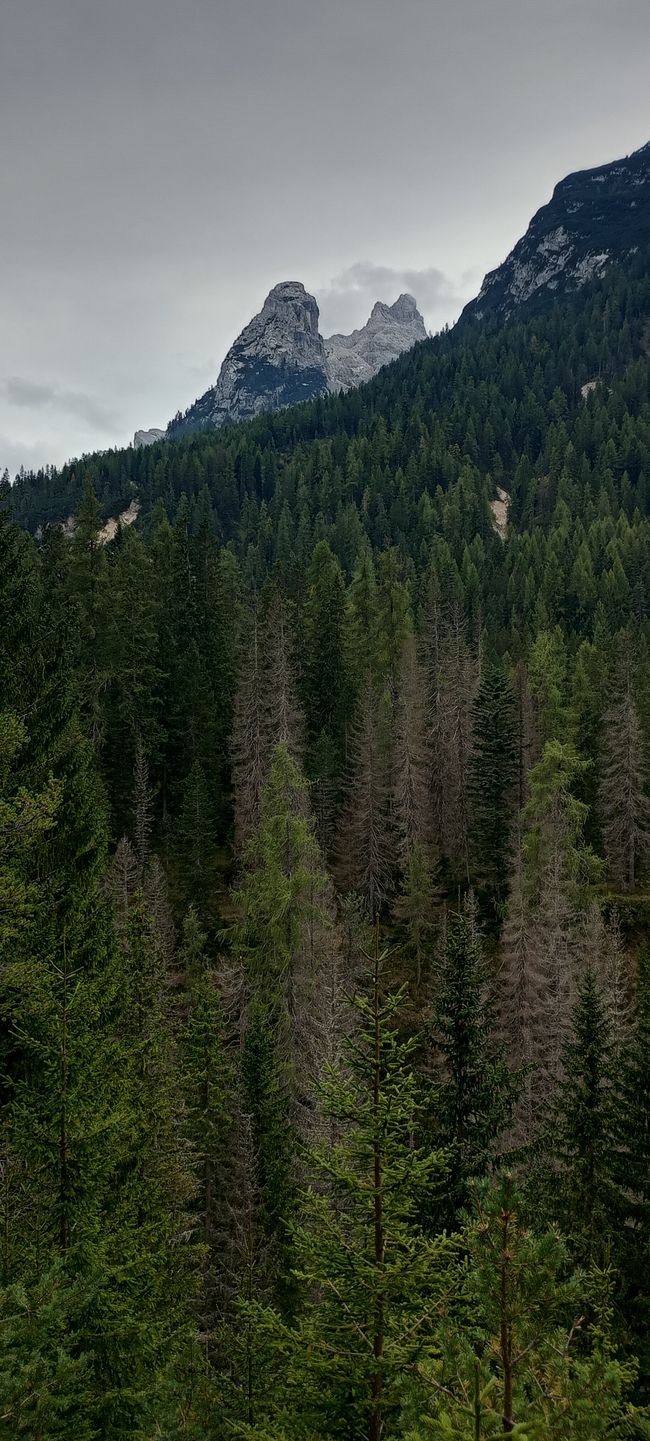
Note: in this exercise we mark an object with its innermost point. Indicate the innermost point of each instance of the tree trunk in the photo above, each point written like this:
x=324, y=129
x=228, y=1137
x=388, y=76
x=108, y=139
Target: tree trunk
x=375, y=1429
x=505, y=1325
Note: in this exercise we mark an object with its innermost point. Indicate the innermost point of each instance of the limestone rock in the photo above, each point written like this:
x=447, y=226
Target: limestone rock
x=281, y=358
x=147, y=437
x=594, y=218
x=391, y=329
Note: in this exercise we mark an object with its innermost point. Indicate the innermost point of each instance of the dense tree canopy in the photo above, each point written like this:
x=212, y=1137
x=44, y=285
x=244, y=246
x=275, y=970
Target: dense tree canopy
x=324, y=842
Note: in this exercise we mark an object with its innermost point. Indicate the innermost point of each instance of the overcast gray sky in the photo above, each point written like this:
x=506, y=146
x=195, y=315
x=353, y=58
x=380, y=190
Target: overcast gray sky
x=163, y=163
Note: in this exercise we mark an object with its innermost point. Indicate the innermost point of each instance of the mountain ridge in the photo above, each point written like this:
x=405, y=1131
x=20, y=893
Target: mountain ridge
x=280, y=357
x=595, y=217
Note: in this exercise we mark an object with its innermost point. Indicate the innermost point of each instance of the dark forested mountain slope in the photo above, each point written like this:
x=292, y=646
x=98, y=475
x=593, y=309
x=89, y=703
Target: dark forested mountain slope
x=596, y=218
x=479, y=397
x=324, y=908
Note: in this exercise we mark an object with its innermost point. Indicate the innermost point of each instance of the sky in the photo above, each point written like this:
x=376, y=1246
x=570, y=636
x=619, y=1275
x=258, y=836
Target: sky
x=163, y=163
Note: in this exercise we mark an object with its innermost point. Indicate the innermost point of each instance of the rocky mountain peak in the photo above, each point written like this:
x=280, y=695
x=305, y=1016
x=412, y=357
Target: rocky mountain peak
x=290, y=299
x=281, y=358
x=405, y=308
x=391, y=329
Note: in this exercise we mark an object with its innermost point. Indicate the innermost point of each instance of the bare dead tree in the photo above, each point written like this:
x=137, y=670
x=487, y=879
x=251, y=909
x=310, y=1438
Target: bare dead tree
x=266, y=711
x=156, y=896
x=122, y=882
x=411, y=769
x=529, y=745
x=622, y=791
x=365, y=859
x=538, y=980
x=604, y=950
x=452, y=676
x=142, y=806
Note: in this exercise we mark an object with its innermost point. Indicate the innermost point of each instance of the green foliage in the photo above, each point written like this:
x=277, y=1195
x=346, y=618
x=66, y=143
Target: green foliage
x=373, y=1283
x=518, y=1358
x=471, y=1106
x=492, y=788
x=159, y=1100
x=583, y=1135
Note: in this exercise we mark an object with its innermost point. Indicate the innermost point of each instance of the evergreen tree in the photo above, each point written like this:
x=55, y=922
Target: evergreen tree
x=286, y=939
x=492, y=787
x=364, y=840
x=583, y=1132
x=472, y=1103
x=517, y=1358
x=622, y=795
x=373, y=1282
x=415, y=911
x=632, y=1166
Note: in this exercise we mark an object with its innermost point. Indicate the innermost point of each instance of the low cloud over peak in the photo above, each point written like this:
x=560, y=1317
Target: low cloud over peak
x=348, y=299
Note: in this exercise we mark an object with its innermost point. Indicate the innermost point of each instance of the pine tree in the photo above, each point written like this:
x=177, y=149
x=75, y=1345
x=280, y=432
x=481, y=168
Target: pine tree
x=267, y=712
x=492, y=785
x=285, y=937
x=208, y=1095
x=195, y=838
x=415, y=911
x=88, y=592
x=583, y=1132
x=623, y=801
x=325, y=681
x=373, y=1282
x=365, y=862
x=411, y=768
x=526, y=1364
x=451, y=674
x=249, y=742
x=632, y=1166
x=472, y=1101
x=539, y=978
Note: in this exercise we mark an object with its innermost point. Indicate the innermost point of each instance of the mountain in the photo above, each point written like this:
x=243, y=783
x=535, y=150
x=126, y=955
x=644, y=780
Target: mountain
x=391, y=329
x=281, y=358
x=595, y=218
x=147, y=437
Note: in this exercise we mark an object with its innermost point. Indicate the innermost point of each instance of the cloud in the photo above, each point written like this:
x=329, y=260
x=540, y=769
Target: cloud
x=15, y=454
x=350, y=296
x=27, y=394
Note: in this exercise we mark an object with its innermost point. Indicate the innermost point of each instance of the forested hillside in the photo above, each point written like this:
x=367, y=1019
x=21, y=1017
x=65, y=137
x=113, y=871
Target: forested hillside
x=324, y=905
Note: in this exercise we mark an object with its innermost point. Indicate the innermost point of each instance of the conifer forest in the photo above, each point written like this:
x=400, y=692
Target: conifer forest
x=325, y=909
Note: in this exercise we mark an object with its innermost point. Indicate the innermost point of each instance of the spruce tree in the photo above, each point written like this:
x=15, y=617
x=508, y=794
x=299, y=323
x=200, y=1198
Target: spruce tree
x=623, y=802
x=516, y=1355
x=492, y=786
x=632, y=1167
x=582, y=1134
x=364, y=859
x=472, y=1102
x=372, y=1281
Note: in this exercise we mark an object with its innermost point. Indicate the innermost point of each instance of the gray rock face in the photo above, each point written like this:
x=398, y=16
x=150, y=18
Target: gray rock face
x=594, y=218
x=391, y=329
x=147, y=437
x=280, y=358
